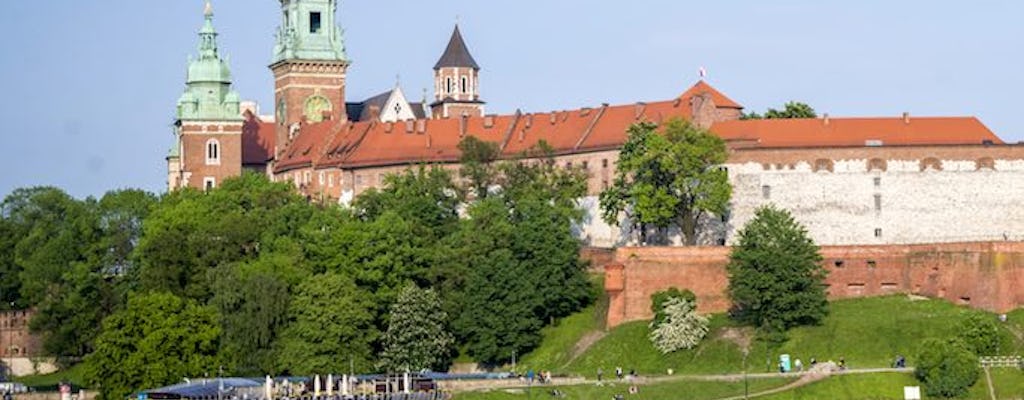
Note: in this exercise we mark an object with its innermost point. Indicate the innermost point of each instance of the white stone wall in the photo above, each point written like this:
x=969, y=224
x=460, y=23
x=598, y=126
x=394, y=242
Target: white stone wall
x=956, y=204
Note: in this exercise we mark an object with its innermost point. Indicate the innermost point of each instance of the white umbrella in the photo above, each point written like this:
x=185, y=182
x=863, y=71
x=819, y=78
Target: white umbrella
x=407, y=382
x=316, y=386
x=330, y=385
x=268, y=388
x=344, y=385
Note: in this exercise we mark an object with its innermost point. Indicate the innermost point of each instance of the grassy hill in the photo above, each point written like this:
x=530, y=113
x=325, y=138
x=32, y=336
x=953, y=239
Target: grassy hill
x=670, y=390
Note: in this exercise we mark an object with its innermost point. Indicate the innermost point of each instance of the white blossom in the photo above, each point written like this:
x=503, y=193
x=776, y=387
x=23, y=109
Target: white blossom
x=682, y=328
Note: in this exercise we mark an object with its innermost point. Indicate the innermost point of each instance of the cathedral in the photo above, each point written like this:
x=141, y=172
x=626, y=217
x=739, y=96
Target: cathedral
x=900, y=179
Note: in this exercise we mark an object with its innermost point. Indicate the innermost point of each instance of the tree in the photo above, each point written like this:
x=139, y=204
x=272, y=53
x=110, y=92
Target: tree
x=156, y=340
x=252, y=300
x=946, y=368
x=669, y=179
x=980, y=334
x=330, y=324
x=791, y=110
x=776, y=280
x=476, y=159
x=417, y=337
x=682, y=327
x=660, y=300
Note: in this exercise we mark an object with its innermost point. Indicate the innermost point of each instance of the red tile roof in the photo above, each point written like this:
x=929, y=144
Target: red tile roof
x=308, y=145
x=839, y=132
x=720, y=100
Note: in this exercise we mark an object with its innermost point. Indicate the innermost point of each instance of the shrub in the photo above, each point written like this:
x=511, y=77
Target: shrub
x=682, y=327
x=946, y=368
x=660, y=299
x=980, y=334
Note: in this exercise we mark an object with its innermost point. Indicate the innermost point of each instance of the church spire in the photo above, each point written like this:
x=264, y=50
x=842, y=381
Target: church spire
x=208, y=35
x=456, y=81
x=208, y=94
x=457, y=54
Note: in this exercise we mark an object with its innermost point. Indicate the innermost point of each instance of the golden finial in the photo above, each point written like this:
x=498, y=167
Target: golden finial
x=208, y=11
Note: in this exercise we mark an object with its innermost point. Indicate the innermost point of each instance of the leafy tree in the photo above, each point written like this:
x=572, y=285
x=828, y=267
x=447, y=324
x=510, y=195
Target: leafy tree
x=980, y=334
x=669, y=179
x=477, y=165
x=10, y=286
x=682, y=327
x=660, y=300
x=156, y=340
x=330, y=325
x=791, y=110
x=776, y=280
x=252, y=299
x=417, y=337
x=946, y=368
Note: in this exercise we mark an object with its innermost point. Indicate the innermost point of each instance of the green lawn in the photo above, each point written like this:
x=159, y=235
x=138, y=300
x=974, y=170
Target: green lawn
x=867, y=332
x=49, y=382
x=662, y=391
x=1008, y=382
x=559, y=341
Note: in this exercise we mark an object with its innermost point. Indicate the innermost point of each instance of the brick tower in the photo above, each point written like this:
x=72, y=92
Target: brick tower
x=457, y=82
x=309, y=67
x=209, y=126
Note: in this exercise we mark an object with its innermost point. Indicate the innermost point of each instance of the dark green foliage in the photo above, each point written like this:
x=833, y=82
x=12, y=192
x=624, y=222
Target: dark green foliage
x=417, y=337
x=253, y=300
x=155, y=341
x=946, y=368
x=477, y=165
x=776, y=280
x=659, y=299
x=980, y=334
x=671, y=179
x=330, y=324
x=791, y=110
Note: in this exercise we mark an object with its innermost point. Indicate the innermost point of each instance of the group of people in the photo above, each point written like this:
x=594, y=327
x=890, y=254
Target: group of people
x=542, y=377
x=618, y=374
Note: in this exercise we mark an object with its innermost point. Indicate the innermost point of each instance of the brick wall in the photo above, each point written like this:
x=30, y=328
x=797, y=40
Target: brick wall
x=15, y=338
x=985, y=275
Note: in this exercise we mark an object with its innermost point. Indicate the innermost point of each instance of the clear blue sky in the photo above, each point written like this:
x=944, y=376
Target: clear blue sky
x=89, y=87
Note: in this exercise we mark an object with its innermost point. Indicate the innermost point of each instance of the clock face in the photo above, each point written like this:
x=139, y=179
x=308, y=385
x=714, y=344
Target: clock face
x=315, y=107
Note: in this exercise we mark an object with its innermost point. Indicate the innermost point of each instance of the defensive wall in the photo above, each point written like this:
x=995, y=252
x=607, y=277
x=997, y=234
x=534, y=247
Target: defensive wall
x=986, y=275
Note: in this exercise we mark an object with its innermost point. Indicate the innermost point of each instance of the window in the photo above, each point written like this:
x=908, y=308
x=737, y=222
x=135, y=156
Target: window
x=450, y=85
x=878, y=202
x=359, y=180
x=209, y=183
x=839, y=263
x=878, y=232
x=766, y=192
x=586, y=165
x=330, y=180
x=878, y=181
x=314, y=22
x=568, y=164
x=323, y=178
x=604, y=163
x=212, y=152
x=465, y=85
x=872, y=264
x=306, y=177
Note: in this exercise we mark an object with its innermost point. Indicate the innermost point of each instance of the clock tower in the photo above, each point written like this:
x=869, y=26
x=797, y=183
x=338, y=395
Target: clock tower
x=309, y=66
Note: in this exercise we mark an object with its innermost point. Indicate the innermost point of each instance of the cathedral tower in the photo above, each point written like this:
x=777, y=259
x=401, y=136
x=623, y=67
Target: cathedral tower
x=209, y=125
x=309, y=67
x=457, y=82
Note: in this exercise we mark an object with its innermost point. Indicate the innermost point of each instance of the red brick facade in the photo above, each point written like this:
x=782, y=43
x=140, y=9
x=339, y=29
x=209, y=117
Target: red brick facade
x=297, y=83
x=982, y=275
x=15, y=339
x=211, y=152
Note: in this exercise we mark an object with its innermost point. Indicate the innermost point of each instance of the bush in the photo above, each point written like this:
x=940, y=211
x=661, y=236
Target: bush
x=980, y=334
x=946, y=368
x=660, y=299
x=682, y=327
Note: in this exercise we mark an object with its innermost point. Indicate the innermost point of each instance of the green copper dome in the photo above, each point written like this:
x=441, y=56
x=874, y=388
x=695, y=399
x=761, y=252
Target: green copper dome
x=309, y=32
x=208, y=94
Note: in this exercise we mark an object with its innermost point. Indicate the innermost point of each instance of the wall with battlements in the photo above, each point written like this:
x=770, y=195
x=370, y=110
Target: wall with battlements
x=985, y=275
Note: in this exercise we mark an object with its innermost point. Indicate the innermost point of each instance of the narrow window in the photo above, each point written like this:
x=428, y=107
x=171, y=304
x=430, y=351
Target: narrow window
x=465, y=85
x=322, y=178
x=878, y=182
x=330, y=180
x=766, y=192
x=314, y=22
x=878, y=202
x=209, y=183
x=212, y=152
x=450, y=85
x=878, y=232
x=568, y=164
x=586, y=165
x=872, y=264
x=306, y=177
x=604, y=184
x=604, y=163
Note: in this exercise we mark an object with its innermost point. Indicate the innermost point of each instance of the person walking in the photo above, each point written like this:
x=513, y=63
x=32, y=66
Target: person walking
x=618, y=373
x=599, y=374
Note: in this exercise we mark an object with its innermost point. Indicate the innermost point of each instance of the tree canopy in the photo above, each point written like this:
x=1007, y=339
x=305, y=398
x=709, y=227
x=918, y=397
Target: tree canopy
x=791, y=110
x=672, y=178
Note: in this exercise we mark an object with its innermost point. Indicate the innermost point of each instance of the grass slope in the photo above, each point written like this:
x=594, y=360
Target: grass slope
x=666, y=391
x=867, y=332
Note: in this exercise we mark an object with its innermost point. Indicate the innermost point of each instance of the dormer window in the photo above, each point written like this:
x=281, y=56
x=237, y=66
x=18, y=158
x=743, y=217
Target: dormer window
x=314, y=22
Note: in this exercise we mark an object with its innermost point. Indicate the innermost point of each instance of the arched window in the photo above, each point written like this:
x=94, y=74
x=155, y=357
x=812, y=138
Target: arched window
x=212, y=152
x=465, y=85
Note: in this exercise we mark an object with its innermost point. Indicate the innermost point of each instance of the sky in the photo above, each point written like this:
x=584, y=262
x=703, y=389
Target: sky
x=89, y=87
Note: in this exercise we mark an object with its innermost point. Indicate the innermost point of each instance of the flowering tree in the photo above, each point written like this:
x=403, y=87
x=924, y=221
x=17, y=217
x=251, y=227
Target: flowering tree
x=682, y=327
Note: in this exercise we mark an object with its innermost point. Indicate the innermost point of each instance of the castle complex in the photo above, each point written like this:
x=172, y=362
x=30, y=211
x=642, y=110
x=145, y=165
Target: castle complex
x=851, y=181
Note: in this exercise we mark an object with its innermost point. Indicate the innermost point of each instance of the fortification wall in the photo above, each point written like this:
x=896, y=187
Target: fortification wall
x=984, y=275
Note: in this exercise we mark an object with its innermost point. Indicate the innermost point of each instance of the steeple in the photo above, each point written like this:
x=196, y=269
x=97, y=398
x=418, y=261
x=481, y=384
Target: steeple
x=457, y=54
x=457, y=81
x=308, y=31
x=208, y=94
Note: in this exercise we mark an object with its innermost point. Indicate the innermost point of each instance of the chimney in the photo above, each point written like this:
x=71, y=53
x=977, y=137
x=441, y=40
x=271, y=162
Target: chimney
x=421, y=126
x=906, y=117
x=387, y=127
x=488, y=121
x=554, y=117
x=463, y=125
x=585, y=111
x=529, y=120
x=826, y=119
x=409, y=126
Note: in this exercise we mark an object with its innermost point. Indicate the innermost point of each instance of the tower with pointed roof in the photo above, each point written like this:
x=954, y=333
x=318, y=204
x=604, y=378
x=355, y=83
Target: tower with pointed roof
x=457, y=81
x=309, y=66
x=208, y=126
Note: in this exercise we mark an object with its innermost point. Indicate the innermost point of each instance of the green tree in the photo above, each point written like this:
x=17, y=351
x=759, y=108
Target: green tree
x=682, y=327
x=979, y=333
x=477, y=165
x=417, y=337
x=670, y=179
x=10, y=286
x=156, y=340
x=791, y=110
x=776, y=280
x=330, y=324
x=252, y=300
x=946, y=368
